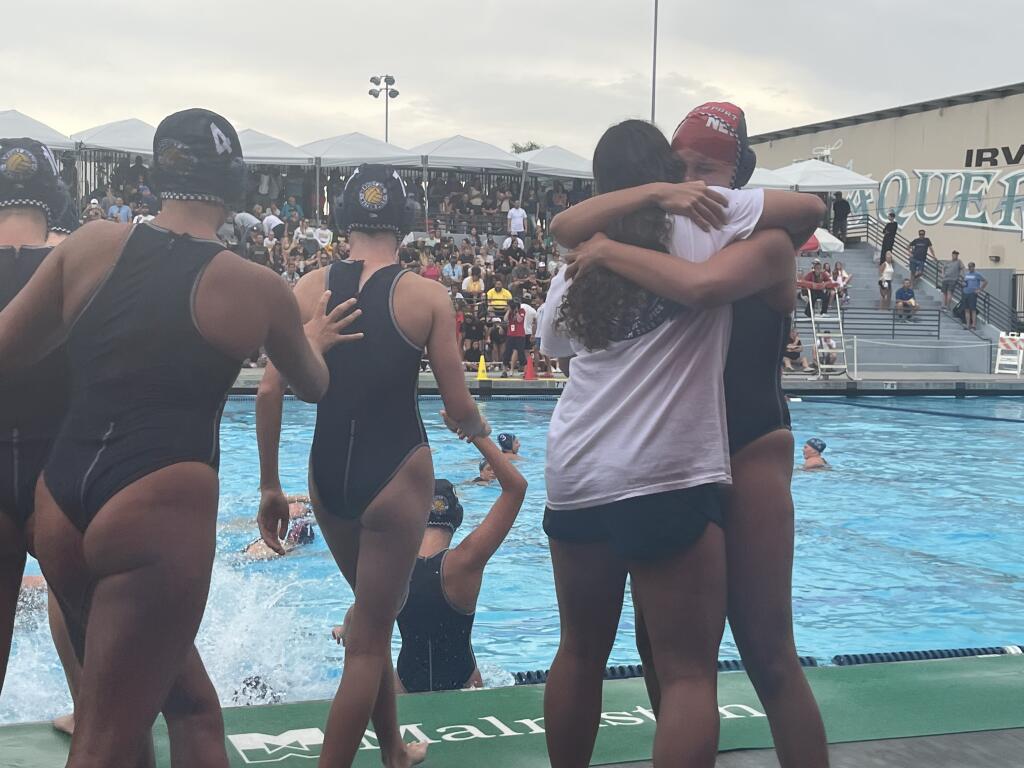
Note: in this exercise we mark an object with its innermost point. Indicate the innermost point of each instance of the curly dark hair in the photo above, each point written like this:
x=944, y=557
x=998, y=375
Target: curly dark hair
x=600, y=305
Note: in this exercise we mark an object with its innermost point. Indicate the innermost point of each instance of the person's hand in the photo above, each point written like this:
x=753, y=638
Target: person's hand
x=340, y=632
x=324, y=330
x=693, y=199
x=460, y=430
x=273, y=518
x=590, y=253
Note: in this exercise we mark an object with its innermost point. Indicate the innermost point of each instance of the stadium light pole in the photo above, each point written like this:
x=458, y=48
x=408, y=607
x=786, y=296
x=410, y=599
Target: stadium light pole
x=654, y=63
x=388, y=92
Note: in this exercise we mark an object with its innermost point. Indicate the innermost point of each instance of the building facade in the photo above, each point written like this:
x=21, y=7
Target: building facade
x=953, y=167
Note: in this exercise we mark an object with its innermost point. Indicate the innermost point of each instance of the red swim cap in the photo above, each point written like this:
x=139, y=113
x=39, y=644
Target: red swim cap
x=714, y=129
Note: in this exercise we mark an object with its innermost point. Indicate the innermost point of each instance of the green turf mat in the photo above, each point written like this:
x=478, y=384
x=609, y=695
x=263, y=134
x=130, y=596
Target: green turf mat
x=500, y=727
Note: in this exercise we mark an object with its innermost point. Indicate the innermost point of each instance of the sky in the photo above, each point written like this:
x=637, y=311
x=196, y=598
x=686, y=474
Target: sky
x=551, y=71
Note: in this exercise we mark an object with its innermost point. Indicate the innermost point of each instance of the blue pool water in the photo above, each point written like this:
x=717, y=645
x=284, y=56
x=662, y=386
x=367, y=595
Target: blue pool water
x=912, y=541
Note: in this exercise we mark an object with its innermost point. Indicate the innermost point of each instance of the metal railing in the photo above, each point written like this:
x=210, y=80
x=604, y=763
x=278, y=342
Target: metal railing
x=886, y=323
x=990, y=309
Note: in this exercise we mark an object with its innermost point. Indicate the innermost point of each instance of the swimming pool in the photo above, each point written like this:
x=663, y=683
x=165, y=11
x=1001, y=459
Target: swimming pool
x=911, y=542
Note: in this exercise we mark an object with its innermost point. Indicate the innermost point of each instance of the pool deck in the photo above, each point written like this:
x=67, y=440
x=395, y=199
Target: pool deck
x=989, y=749
x=917, y=383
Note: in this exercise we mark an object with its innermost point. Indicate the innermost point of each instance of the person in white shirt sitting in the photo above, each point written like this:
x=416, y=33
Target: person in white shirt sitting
x=323, y=235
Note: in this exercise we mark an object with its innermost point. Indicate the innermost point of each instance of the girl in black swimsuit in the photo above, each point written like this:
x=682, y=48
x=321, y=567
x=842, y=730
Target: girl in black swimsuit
x=759, y=506
x=158, y=318
x=371, y=474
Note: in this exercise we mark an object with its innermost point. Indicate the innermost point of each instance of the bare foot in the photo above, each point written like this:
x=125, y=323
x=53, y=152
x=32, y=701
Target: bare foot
x=409, y=755
x=65, y=724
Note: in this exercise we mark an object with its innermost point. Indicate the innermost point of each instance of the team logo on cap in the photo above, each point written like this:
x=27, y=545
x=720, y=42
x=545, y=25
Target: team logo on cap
x=173, y=155
x=18, y=164
x=440, y=505
x=373, y=196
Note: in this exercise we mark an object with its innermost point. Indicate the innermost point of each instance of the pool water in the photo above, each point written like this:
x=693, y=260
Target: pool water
x=912, y=541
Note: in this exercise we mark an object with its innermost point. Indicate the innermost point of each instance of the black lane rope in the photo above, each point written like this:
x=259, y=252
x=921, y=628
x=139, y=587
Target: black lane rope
x=925, y=411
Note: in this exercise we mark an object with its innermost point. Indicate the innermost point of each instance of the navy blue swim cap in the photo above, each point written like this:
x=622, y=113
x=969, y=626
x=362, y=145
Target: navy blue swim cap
x=507, y=441
x=28, y=178
x=197, y=156
x=374, y=200
x=817, y=444
x=446, y=511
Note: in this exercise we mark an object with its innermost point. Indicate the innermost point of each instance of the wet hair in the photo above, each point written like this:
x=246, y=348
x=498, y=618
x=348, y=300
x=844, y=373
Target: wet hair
x=599, y=302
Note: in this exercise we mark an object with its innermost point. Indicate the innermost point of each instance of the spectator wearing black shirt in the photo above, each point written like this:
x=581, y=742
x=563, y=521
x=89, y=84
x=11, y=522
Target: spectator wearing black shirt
x=889, y=235
x=496, y=336
x=473, y=328
x=138, y=174
x=840, y=214
x=920, y=248
x=543, y=275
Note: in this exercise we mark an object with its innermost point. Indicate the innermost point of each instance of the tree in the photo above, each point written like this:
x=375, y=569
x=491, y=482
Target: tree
x=527, y=146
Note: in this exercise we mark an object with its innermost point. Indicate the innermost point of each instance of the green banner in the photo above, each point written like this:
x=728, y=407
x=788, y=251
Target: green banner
x=505, y=726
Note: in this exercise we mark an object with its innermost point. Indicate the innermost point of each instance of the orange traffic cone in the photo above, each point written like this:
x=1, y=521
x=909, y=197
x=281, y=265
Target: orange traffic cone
x=531, y=374
x=481, y=370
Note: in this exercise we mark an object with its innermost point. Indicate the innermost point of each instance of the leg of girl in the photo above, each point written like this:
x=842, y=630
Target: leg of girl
x=682, y=600
x=590, y=581
x=759, y=545
x=388, y=538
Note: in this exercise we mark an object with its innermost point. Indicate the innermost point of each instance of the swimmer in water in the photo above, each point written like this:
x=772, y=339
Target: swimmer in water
x=300, y=532
x=436, y=622
x=813, y=459
x=157, y=318
x=371, y=477
x=486, y=476
x=509, y=446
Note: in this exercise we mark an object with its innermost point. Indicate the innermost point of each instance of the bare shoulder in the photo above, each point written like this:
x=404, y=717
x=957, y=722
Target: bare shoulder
x=416, y=287
x=95, y=238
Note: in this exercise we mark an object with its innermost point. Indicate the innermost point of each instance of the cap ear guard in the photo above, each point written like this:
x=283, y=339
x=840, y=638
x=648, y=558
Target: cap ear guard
x=747, y=160
x=28, y=178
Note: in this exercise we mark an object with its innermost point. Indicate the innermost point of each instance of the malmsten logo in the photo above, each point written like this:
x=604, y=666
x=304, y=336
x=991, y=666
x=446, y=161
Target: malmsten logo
x=305, y=743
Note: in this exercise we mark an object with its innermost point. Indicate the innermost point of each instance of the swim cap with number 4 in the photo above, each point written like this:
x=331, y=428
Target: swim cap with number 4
x=197, y=156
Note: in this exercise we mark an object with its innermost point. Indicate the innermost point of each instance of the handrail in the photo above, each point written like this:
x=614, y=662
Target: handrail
x=990, y=309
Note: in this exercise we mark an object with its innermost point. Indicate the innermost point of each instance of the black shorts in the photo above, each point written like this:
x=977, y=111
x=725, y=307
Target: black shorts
x=643, y=528
x=529, y=342
x=917, y=266
x=971, y=301
x=515, y=344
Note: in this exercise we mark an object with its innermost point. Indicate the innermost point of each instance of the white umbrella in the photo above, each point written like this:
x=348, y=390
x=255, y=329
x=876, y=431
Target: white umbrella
x=131, y=135
x=818, y=176
x=14, y=124
x=762, y=178
x=357, y=148
x=558, y=162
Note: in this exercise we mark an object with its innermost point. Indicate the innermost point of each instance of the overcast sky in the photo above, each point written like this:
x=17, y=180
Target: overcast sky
x=554, y=71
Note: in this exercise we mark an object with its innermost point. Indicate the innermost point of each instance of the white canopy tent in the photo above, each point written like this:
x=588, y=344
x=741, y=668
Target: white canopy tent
x=131, y=135
x=462, y=153
x=262, y=149
x=827, y=242
x=558, y=162
x=14, y=124
x=356, y=148
x=762, y=178
x=818, y=176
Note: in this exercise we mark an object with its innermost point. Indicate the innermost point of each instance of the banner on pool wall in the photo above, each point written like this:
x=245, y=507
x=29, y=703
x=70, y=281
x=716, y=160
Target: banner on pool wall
x=305, y=743
x=986, y=199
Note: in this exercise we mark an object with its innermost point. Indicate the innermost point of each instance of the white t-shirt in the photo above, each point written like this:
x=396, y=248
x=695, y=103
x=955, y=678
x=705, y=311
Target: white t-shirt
x=507, y=243
x=269, y=222
x=647, y=414
x=530, y=323
x=517, y=217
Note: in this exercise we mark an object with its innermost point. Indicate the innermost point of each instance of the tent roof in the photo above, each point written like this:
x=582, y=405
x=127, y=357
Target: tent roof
x=14, y=124
x=129, y=135
x=556, y=161
x=261, y=149
x=457, y=152
x=762, y=178
x=357, y=148
x=818, y=176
